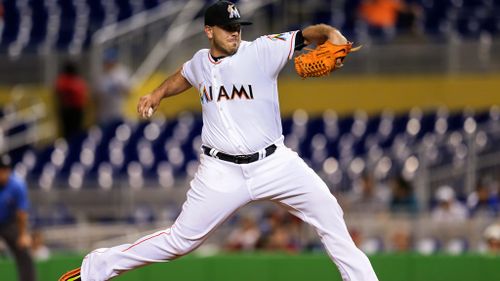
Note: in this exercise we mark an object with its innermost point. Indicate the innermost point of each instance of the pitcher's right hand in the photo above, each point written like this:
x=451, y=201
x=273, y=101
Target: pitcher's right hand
x=147, y=105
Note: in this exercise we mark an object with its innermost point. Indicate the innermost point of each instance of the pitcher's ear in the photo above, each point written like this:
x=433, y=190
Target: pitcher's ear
x=209, y=30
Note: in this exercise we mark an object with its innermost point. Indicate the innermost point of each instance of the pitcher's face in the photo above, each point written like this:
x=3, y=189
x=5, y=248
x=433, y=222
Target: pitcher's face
x=225, y=40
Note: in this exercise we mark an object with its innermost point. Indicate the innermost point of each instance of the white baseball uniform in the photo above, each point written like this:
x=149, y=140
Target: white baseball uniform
x=239, y=97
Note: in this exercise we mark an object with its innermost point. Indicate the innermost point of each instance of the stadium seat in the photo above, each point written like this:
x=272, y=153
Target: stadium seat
x=135, y=175
x=105, y=175
x=76, y=21
x=102, y=141
x=372, y=245
x=456, y=246
x=142, y=215
x=40, y=18
x=96, y=15
x=166, y=150
x=148, y=4
x=427, y=246
x=12, y=20
x=124, y=10
x=67, y=23
x=73, y=152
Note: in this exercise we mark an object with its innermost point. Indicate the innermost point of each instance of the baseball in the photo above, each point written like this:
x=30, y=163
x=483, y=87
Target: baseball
x=150, y=112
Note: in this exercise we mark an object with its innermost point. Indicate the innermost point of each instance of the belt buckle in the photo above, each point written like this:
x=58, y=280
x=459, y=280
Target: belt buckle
x=241, y=159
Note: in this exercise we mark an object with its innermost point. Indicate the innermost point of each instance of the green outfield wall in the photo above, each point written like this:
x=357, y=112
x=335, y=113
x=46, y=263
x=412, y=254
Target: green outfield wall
x=275, y=267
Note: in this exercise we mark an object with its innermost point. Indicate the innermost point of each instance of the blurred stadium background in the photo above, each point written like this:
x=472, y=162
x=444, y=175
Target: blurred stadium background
x=407, y=134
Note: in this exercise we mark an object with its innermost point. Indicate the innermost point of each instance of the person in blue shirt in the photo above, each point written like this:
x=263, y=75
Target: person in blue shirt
x=14, y=205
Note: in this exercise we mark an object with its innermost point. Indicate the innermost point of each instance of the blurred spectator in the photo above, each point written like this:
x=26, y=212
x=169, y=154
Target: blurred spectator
x=280, y=232
x=357, y=237
x=14, y=219
x=403, y=199
x=113, y=88
x=244, y=237
x=401, y=241
x=368, y=198
x=492, y=237
x=39, y=250
x=381, y=16
x=448, y=209
x=483, y=201
x=369, y=245
x=385, y=17
x=271, y=219
x=71, y=93
x=279, y=240
x=409, y=17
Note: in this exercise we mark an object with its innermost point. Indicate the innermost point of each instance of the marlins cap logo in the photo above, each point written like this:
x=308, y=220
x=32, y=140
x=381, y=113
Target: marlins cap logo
x=233, y=12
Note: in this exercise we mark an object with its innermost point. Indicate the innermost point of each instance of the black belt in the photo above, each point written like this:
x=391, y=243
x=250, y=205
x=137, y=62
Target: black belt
x=239, y=159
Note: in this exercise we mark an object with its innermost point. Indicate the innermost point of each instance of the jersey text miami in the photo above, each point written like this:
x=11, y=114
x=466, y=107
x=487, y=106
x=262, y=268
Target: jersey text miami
x=239, y=93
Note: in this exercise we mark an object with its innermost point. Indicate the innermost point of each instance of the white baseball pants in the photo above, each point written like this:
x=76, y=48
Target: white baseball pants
x=218, y=189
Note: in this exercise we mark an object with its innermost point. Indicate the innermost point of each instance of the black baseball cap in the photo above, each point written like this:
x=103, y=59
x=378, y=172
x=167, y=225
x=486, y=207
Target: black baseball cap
x=223, y=13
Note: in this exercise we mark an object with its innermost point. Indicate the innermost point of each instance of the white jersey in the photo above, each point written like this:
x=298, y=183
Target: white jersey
x=239, y=93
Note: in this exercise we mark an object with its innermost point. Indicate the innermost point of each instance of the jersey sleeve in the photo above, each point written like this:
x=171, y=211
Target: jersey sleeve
x=188, y=70
x=275, y=50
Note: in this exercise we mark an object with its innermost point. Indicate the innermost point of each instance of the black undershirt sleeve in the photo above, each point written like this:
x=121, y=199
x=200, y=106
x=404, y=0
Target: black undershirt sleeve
x=299, y=41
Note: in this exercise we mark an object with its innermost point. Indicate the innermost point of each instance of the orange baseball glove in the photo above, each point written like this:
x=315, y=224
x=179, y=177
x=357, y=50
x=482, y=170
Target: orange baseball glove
x=326, y=58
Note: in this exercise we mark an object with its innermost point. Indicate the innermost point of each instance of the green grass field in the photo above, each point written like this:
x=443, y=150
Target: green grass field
x=278, y=267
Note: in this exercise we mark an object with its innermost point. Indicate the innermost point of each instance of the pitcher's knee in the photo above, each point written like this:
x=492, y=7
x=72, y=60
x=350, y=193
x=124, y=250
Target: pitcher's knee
x=183, y=245
x=95, y=265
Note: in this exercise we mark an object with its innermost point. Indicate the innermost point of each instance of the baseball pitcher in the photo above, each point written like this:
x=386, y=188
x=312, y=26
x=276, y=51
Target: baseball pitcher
x=243, y=157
